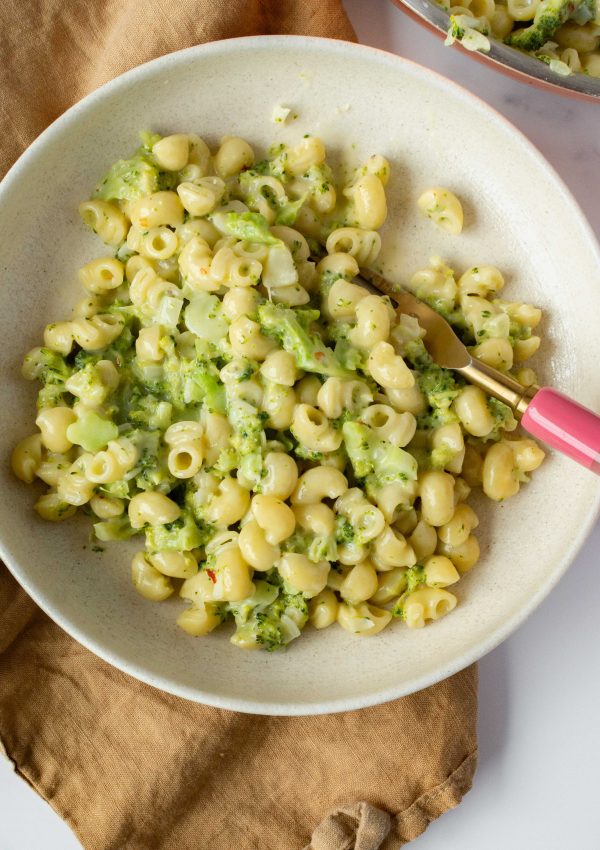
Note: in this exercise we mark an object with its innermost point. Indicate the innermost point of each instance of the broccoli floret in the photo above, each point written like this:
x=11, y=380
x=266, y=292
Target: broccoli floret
x=440, y=386
x=85, y=358
x=151, y=469
x=146, y=409
x=259, y=168
x=205, y=375
x=274, y=625
x=188, y=382
x=46, y=366
x=148, y=140
x=129, y=179
x=316, y=547
x=415, y=577
x=309, y=350
x=550, y=15
x=184, y=534
x=52, y=370
x=119, y=489
x=371, y=456
x=264, y=594
x=503, y=416
x=351, y=358
x=247, y=424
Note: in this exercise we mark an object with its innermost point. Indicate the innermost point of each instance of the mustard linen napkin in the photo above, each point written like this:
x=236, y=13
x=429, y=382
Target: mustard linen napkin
x=129, y=767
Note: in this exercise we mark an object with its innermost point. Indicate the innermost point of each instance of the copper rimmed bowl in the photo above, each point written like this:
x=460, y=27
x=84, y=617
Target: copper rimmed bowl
x=514, y=63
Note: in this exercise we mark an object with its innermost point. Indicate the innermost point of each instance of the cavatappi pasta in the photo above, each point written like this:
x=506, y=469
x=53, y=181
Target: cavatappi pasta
x=564, y=34
x=278, y=434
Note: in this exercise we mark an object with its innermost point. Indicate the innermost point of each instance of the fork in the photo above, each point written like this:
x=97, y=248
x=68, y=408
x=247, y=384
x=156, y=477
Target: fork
x=545, y=413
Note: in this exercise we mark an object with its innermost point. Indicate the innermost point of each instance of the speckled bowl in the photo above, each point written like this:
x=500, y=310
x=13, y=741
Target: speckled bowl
x=518, y=216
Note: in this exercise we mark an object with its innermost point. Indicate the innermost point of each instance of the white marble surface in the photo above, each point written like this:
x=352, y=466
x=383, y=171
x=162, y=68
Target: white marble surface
x=536, y=786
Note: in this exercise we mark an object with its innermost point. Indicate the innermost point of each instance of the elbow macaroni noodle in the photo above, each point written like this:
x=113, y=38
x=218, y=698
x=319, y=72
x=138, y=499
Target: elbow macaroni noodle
x=278, y=434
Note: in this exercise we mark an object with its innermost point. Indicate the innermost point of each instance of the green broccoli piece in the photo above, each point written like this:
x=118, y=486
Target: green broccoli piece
x=184, y=534
x=46, y=366
x=309, y=350
x=151, y=469
x=440, y=456
x=122, y=349
x=149, y=139
x=455, y=31
x=550, y=15
x=147, y=410
x=262, y=597
x=288, y=210
x=316, y=547
x=187, y=382
x=129, y=179
x=85, y=359
x=92, y=432
x=344, y=532
x=415, y=577
x=247, y=438
x=438, y=385
x=350, y=357
x=206, y=377
x=52, y=370
x=119, y=489
x=250, y=226
x=273, y=625
x=503, y=416
x=371, y=456
x=118, y=528
x=469, y=31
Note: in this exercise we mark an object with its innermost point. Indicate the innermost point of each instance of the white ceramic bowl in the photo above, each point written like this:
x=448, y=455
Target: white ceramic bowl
x=519, y=216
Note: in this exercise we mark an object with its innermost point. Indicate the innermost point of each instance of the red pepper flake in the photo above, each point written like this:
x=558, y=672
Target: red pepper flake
x=212, y=576
x=319, y=355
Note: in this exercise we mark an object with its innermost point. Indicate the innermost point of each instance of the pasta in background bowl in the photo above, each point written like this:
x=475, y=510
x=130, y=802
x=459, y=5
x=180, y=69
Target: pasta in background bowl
x=405, y=113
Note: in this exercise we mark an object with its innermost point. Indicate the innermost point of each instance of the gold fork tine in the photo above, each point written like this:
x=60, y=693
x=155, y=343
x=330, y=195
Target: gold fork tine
x=448, y=351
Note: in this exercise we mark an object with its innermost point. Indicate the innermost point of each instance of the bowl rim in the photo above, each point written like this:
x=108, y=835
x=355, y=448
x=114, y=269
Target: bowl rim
x=593, y=510
x=504, y=58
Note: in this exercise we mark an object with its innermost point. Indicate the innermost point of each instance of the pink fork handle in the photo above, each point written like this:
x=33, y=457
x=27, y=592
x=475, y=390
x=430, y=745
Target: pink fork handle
x=566, y=426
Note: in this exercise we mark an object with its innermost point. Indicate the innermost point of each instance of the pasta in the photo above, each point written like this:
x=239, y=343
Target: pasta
x=443, y=208
x=279, y=435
